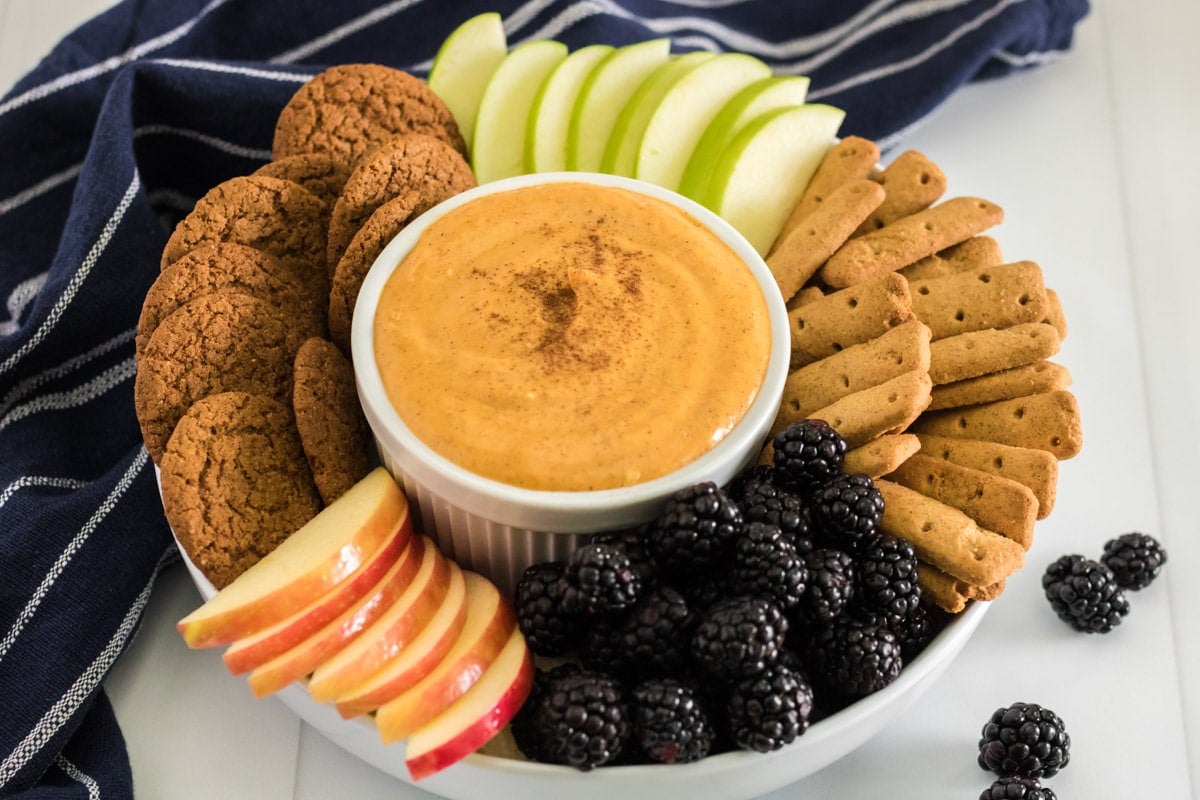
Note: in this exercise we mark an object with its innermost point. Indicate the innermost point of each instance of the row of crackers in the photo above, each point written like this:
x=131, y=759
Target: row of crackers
x=930, y=354
x=245, y=393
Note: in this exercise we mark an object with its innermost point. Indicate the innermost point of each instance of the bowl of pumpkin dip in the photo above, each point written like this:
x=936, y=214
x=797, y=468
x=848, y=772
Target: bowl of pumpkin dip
x=548, y=356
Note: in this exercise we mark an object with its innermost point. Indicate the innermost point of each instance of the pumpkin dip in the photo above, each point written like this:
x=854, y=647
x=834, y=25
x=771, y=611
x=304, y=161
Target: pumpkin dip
x=568, y=336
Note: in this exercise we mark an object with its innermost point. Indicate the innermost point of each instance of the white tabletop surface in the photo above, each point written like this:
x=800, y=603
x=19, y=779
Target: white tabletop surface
x=1094, y=159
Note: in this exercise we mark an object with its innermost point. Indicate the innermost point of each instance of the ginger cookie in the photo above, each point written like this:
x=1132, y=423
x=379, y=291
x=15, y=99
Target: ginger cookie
x=228, y=267
x=350, y=109
x=333, y=430
x=235, y=483
x=414, y=162
x=218, y=342
x=320, y=173
x=277, y=216
x=380, y=228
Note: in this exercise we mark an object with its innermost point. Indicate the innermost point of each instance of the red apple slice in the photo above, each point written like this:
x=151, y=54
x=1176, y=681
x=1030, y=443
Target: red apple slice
x=490, y=622
x=257, y=649
x=475, y=717
x=411, y=590
x=419, y=641
x=310, y=562
x=413, y=662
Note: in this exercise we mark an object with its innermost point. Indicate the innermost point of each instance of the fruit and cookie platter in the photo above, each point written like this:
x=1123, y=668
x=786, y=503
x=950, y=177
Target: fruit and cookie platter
x=914, y=447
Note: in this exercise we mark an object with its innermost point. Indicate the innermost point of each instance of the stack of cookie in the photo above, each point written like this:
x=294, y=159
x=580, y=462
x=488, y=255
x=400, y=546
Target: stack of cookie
x=913, y=338
x=245, y=393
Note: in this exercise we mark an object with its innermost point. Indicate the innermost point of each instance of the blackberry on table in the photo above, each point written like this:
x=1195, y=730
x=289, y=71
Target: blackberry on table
x=632, y=542
x=1024, y=740
x=1017, y=789
x=770, y=710
x=670, y=723
x=762, y=500
x=739, y=637
x=846, y=510
x=1084, y=594
x=600, y=578
x=887, y=577
x=852, y=658
x=831, y=585
x=697, y=530
x=808, y=453
x=548, y=627
x=1135, y=559
x=582, y=720
x=766, y=564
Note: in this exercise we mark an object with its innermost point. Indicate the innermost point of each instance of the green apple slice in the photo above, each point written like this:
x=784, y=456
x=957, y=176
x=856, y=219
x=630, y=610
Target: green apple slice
x=465, y=63
x=498, y=149
x=750, y=103
x=764, y=170
x=620, y=154
x=546, y=136
x=686, y=110
x=603, y=95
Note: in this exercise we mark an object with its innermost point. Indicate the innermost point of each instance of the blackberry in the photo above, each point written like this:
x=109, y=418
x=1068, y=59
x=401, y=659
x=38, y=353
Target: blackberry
x=1024, y=740
x=852, y=658
x=1135, y=560
x=654, y=639
x=807, y=454
x=632, y=542
x=830, y=586
x=600, y=646
x=748, y=477
x=600, y=578
x=524, y=731
x=696, y=531
x=582, y=720
x=670, y=724
x=770, y=710
x=548, y=628
x=739, y=637
x=766, y=564
x=1017, y=789
x=762, y=500
x=705, y=589
x=846, y=510
x=887, y=577
x=1085, y=594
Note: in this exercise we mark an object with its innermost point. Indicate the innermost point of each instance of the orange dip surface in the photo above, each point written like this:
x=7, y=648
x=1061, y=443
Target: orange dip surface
x=571, y=337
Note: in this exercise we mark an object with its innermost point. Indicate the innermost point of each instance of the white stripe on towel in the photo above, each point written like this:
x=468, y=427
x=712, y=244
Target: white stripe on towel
x=25, y=387
x=79, y=776
x=98, y=386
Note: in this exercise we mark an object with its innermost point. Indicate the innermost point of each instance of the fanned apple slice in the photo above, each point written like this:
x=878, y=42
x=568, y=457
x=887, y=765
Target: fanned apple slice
x=420, y=566
x=422, y=655
x=463, y=65
x=258, y=648
x=475, y=717
x=546, y=133
x=309, y=563
x=490, y=623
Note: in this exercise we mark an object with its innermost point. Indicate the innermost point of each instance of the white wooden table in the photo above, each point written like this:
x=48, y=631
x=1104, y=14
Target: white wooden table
x=1094, y=159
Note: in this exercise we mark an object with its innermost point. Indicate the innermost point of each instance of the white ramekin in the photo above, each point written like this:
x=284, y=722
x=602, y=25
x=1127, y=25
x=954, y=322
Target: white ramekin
x=499, y=529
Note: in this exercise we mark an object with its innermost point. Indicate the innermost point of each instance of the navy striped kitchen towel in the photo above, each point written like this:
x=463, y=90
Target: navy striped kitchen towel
x=133, y=116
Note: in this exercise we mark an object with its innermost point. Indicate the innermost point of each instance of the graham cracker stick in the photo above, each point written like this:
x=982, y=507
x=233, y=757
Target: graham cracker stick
x=978, y=251
x=798, y=255
x=1047, y=422
x=881, y=455
x=851, y=159
x=886, y=408
x=909, y=239
x=849, y=317
x=946, y=537
x=1054, y=313
x=949, y=593
x=804, y=297
x=1030, y=467
x=969, y=355
x=861, y=366
x=998, y=504
x=980, y=298
x=912, y=183
x=1035, y=378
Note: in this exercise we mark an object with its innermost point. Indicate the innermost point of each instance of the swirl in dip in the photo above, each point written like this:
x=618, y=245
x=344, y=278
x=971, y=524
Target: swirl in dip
x=572, y=337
